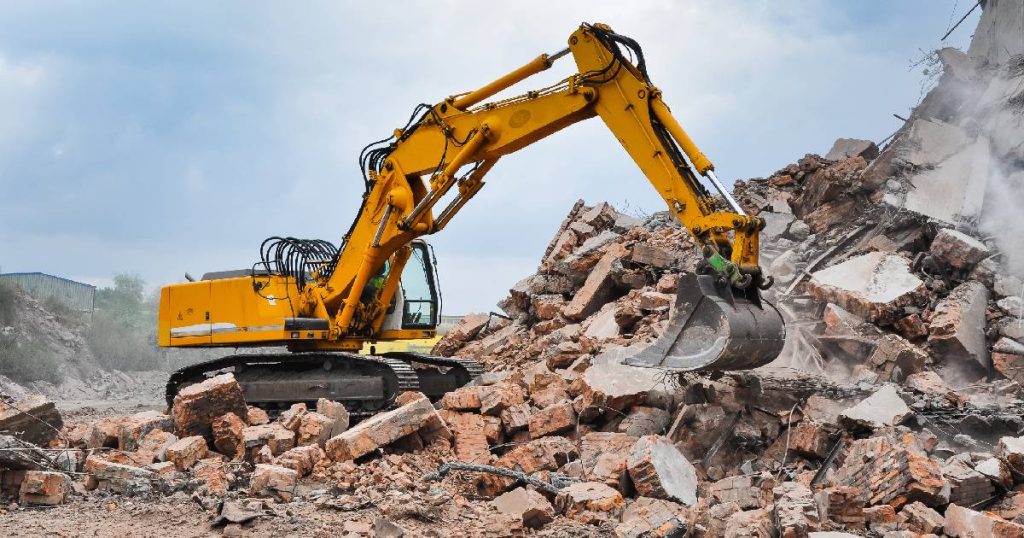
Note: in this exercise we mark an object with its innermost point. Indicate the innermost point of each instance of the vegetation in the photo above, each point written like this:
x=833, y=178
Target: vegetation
x=8, y=305
x=25, y=361
x=122, y=335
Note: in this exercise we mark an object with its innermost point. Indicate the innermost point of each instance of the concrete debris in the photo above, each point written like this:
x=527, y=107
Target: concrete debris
x=381, y=430
x=196, y=406
x=875, y=286
x=660, y=470
x=958, y=250
x=963, y=522
x=273, y=481
x=577, y=499
x=844, y=148
x=531, y=507
x=33, y=420
x=44, y=488
x=795, y=510
x=881, y=409
x=652, y=518
x=957, y=331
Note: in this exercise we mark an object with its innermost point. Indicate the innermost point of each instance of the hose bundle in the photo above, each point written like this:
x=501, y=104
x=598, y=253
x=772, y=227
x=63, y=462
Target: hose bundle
x=297, y=258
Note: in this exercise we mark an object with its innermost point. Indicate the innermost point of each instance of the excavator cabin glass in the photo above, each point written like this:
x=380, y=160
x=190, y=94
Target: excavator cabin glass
x=419, y=290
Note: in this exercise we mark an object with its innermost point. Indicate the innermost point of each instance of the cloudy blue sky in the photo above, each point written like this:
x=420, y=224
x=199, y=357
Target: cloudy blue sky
x=160, y=139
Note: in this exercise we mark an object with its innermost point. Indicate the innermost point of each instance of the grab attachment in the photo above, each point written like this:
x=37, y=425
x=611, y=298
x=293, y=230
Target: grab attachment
x=715, y=328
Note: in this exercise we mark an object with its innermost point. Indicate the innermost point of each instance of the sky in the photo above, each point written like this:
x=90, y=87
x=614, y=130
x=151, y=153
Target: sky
x=164, y=139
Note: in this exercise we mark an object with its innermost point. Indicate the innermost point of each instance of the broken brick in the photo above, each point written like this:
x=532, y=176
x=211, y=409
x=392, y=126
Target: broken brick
x=659, y=470
x=552, y=419
x=526, y=504
x=184, y=453
x=44, y=488
x=381, y=429
x=273, y=481
x=589, y=497
x=228, y=438
x=196, y=406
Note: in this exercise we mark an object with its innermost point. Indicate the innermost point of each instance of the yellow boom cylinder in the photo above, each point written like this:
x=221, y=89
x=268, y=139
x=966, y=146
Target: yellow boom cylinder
x=538, y=64
x=700, y=162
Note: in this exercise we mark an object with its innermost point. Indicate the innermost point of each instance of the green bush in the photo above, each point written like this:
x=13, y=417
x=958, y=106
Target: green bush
x=25, y=362
x=8, y=305
x=64, y=313
x=123, y=346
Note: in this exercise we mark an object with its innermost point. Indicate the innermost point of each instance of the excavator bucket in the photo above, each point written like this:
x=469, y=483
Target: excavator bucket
x=715, y=328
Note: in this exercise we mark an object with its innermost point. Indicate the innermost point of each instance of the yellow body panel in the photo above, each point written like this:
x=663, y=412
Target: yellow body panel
x=422, y=165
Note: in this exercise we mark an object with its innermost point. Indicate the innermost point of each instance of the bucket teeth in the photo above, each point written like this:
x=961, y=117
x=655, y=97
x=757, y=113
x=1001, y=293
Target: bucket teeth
x=713, y=328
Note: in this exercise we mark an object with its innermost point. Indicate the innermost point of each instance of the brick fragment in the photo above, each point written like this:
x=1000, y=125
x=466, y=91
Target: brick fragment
x=275, y=436
x=254, y=416
x=643, y=420
x=118, y=477
x=315, y=429
x=652, y=518
x=843, y=505
x=809, y=439
x=892, y=471
x=301, y=459
x=967, y=486
x=589, y=497
x=381, y=430
x=526, y=504
x=213, y=476
x=196, y=406
x=596, y=289
x=273, y=481
x=153, y=447
x=737, y=489
x=228, y=436
x=963, y=522
x=795, y=510
x=44, y=488
x=337, y=412
x=603, y=456
x=495, y=399
x=516, y=418
x=134, y=427
x=919, y=518
x=184, y=453
x=957, y=330
x=544, y=454
x=552, y=419
x=660, y=470
x=470, y=435
x=464, y=398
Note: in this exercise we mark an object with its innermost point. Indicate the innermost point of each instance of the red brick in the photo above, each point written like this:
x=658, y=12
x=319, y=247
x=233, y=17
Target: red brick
x=196, y=406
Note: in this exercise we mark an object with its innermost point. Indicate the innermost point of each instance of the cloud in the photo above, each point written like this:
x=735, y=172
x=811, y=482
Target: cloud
x=164, y=138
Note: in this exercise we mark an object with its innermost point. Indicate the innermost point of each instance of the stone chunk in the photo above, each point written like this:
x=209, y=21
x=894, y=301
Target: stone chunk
x=315, y=429
x=44, y=488
x=881, y=409
x=615, y=386
x=135, y=427
x=660, y=470
x=966, y=523
x=844, y=148
x=273, y=481
x=153, y=447
x=196, y=406
x=516, y=418
x=255, y=416
x=958, y=250
x=552, y=419
x=603, y=456
x=795, y=510
x=645, y=421
x=184, y=453
x=874, y=286
x=337, y=412
x=919, y=518
x=957, y=332
x=118, y=477
x=589, y=497
x=534, y=510
x=652, y=518
x=381, y=430
x=228, y=438
x=274, y=436
x=464, y=398
x=465, y=330
x=301, y=459
x=497, y=398
x=35, y=420
x=596, y=290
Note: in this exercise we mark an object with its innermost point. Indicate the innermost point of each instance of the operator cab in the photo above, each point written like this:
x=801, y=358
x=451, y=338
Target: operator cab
x=417, y=302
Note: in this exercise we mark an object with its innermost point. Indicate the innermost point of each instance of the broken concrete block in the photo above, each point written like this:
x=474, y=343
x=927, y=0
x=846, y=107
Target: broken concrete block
x=996, y=470
x=526, y=504
x=516, y=418
x=751, y=523
x=963, y=522
x=301, y=459
x=1008, y=286
x=464, y=398
x=589, y=496
x=275, y=436
x=34, y=420
x=228, y=436
x=652, y=518
x=874, y=286
x=196, y=406
x=273, y=481
x=958, y=250
x=881, y=409
x=596, y=290
x=738, y=489
x=795, y=510
x=315, y=429
x=293, y=416
x=497, y=398
x=919, y=518
x=119, y=477
x=381, y=430
x=184, y=453
x=544, y=454
x=135, y=427
x=153, y=447
x=810, y=440
x=895, y=358
x=1012, y=450
x=255, y=416
x=957, y=332
x=337, y=412
x=552, y=419
x=660, y=470
x=654, y=256
x=603, y=456
x=614, y=386
x=844, y=148
x=643, y=420
x=213, y=476
x=44, y=488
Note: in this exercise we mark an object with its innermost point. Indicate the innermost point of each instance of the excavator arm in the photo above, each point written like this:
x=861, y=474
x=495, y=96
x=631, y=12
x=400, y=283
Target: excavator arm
x=418, y=180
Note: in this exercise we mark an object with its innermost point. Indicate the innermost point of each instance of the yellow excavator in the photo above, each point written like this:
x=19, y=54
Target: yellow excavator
x=323, y=302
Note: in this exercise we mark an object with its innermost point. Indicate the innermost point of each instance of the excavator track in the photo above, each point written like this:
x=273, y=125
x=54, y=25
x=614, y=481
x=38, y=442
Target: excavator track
x=447, y=375
x=365, y=384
